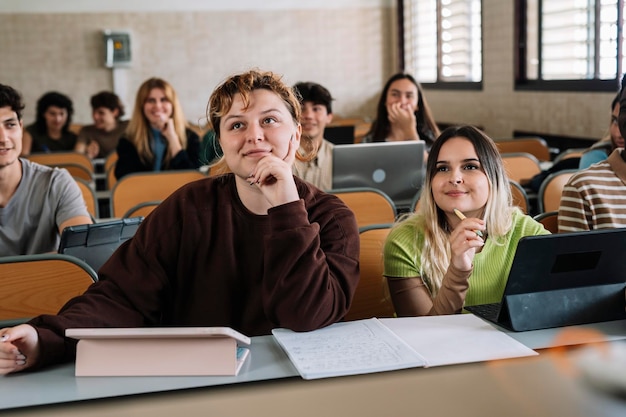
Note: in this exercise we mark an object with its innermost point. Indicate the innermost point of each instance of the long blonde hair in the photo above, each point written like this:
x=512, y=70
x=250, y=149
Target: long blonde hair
x=243, y=84
x=138, y=130
x=431, y=221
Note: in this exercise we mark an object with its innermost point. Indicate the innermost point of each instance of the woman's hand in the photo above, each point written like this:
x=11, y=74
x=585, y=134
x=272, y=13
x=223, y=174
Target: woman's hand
x=274, y=177
x=402, y=117
x=464, y=242
x=19, y=348
x=168, y=130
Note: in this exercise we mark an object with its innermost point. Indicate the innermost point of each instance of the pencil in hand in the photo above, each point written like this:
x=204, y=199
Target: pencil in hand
x=462, y=217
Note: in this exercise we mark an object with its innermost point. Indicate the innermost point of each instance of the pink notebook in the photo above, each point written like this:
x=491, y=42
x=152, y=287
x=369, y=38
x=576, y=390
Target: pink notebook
x=159, y=351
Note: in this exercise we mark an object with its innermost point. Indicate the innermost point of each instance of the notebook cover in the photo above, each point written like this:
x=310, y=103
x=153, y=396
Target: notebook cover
x=157, y=351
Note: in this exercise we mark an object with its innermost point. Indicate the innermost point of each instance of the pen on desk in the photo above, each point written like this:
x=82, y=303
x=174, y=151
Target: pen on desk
x=462, y=217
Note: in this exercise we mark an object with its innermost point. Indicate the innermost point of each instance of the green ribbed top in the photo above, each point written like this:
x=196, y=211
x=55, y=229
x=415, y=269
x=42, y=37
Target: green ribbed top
x=402, y=254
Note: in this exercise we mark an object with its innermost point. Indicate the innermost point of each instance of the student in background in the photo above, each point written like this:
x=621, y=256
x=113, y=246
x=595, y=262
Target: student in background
x=434, y=262
x=157, y=138
x=253, y=249
x=317, y=112
x=50, y=132
x=99, y=139
x=403, y=113
x=612, y=140
x=595, y=197
x=36, y=202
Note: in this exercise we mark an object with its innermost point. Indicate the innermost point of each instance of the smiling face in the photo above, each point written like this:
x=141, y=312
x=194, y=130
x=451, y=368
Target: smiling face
x=55, y=117
x=10, y=137
x=314, y=118
x=459, y=181
x=105, y=118
x=264, y=127
x=402, y=91
x=157, y=108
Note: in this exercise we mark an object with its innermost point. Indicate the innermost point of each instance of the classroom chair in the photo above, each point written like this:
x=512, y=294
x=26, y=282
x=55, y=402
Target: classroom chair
x=141, y=209
x=550, y=221
x=569, y=153
x=40, y=284
x=63, y=158
x=521, y=166
x=142, y=187
x=535, y=146
x=89, y=195
x=520, y=198
x=549, y=195
x=370, y=206
x=371, y=298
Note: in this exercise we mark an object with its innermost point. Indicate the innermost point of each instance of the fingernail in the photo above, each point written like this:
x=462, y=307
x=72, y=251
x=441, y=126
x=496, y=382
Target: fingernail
x=20, y=363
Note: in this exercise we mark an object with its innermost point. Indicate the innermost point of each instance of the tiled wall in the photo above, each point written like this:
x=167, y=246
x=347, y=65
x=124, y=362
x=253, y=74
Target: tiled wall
x=349, y=49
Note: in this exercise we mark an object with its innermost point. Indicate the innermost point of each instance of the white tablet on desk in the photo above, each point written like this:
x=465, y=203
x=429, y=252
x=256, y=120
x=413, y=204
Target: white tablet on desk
x=159, y=351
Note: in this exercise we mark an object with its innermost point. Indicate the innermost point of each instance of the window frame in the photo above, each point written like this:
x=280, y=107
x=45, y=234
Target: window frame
x=521, y=81
x=439, y=84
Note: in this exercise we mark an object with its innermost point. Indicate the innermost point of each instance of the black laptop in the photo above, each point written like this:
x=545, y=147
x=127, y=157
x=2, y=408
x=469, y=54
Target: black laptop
x=396, y=168
x=562, y=280
x=95, y=243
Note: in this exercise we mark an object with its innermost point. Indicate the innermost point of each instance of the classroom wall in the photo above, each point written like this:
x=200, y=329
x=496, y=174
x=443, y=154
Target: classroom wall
x=347, y=45
x=342, y=44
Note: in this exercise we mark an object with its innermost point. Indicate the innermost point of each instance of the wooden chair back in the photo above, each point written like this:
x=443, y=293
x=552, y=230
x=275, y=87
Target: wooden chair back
x=78, y=171
x=370, y=206
x=54, y=159
x=533, y=145
x=520, y=198
x=569, y=153
x=520, y=166
x=40, y=284
x=138, y=188
x=550, y=221
x=371, y=298
x=549, y=195
x=141, y=209
x=89, y=195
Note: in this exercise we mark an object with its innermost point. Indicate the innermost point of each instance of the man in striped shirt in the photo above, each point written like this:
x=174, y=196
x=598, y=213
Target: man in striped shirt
x=595, y=198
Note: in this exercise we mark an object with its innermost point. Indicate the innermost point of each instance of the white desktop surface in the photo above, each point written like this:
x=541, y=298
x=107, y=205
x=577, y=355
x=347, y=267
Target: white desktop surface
x=534, y=386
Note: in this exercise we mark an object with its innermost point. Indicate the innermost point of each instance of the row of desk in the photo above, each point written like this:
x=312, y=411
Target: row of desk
x=269, y=385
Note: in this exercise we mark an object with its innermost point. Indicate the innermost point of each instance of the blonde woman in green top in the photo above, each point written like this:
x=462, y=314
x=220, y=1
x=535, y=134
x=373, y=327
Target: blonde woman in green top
x=436, y=260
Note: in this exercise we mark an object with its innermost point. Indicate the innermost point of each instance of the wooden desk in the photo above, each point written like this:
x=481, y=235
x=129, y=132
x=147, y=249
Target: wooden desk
x=269, y=386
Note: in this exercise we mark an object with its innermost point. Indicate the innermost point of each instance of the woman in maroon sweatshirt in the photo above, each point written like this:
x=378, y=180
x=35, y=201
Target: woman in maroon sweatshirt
x=252, y=249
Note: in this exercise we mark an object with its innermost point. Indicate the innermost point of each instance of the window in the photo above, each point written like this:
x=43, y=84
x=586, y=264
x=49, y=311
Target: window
x=570, y=44
x=442, y=41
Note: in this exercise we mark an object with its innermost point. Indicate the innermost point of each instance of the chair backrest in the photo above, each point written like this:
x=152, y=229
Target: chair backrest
x=110, y=160
x=370, y=206
x=549, y=195
x=62, y=158
x=141, y=209
x=533, y=145
x=40, y=284
x=520, y=198
x=415, y=203
x=569, y=153
x=78, y=171
x=110, y=178
x=371, y=298
x=550, y=220
x=137, y=188
x=89, y=195
x=520, y=166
